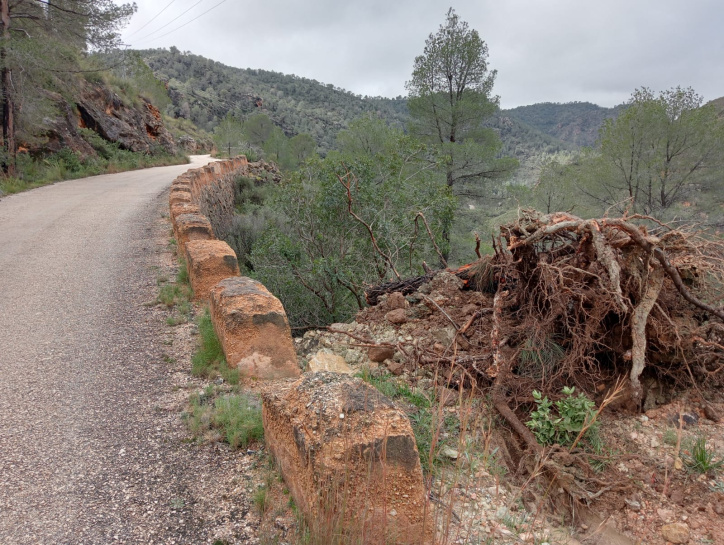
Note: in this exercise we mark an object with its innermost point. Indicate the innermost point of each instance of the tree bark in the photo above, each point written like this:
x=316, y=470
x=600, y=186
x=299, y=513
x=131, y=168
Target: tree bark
x=6, y=81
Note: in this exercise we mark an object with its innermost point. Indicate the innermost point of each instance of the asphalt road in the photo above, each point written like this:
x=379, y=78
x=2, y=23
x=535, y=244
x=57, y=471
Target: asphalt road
x=83, y=456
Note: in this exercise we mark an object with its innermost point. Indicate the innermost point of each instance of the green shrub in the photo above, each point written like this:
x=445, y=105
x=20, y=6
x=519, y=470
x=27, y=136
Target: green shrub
x=565, y=423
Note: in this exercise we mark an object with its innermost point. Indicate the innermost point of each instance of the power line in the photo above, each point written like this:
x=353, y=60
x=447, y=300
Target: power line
x=189, y=22
x=152, y=19
x=171, y=21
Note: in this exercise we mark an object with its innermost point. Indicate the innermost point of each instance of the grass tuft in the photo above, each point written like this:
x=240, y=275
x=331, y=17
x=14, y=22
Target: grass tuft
x=239, y=417
x=699, y=458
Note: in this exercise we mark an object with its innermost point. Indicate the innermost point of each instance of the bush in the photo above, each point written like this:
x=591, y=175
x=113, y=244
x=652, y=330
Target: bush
x=563, y=425
x=321, y=249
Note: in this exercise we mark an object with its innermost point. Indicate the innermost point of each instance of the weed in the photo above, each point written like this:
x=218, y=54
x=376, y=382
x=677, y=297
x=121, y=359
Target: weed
x=261, y=500
x=239, y=418
x=209, y=356
x=182, y=276
x=670, y=437
x=700, y=458
x=539, y=359
x=169, y=294
x=574, y=413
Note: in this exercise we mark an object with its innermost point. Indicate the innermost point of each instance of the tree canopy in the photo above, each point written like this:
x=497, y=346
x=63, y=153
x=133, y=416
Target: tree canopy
x=42, y=41
x=660, y=155
x=450, y=97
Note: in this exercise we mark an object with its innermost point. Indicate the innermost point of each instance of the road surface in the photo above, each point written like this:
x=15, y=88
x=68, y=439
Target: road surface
x=85, y=456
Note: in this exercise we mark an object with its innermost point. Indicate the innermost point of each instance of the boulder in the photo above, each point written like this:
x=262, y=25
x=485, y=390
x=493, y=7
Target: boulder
x=677, y=533
x=396, y=316
x=192, y=227
x=326, y=361
x=395, y=300
x=379, y=354
x=253, y=329
x=349, y=458
x=209, y=262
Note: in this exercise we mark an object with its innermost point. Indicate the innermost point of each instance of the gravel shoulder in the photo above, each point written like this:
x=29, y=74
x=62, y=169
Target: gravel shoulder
x=93, y=447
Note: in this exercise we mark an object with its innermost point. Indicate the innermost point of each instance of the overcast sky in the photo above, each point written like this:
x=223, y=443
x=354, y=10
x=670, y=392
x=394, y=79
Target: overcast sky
x=544, y=50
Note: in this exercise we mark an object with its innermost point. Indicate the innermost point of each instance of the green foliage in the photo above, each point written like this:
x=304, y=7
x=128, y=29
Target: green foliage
x=67, y=164
x=229, y=136
x=261, y=500
x=318, y=258
x=699, y=458
x=659, y=157
x=239, y=418
x=563, y=424
x=670, y=437
x=450, y=98
x=450, y=94
x=252, y=217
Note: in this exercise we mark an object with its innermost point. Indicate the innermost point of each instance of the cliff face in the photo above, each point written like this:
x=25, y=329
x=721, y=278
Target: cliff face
x=135, y=128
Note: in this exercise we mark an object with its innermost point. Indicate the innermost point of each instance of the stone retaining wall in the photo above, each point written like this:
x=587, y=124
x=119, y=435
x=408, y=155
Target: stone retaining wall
x=201, y=205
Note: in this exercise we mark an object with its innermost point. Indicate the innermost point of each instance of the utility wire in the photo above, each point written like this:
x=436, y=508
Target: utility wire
x=171, y=21
x=152, y=19
x=188, y=22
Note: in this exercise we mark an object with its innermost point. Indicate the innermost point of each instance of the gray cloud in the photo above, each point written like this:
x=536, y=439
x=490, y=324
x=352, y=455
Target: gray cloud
x=553, y=50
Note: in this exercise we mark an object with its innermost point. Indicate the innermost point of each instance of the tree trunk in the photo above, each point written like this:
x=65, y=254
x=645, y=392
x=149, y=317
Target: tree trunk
x=6, y=80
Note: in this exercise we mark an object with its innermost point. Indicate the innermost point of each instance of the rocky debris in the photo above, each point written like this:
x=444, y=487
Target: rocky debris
x=327, y=361
x=208, y=262
x=192, y=227
x=396, y=301
x=348, y=455
x=676, y=533
x=253, y=329
x=188, y=144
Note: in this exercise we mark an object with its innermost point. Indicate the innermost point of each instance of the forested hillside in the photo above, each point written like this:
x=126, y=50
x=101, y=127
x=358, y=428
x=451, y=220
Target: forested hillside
x=205, y=91
x=574, y=122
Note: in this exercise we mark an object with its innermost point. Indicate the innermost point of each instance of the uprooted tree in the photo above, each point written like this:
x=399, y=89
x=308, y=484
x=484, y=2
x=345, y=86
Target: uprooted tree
x=588, y=302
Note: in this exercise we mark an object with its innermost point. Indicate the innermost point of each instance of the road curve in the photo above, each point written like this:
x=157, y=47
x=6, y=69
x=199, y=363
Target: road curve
x=83, y=458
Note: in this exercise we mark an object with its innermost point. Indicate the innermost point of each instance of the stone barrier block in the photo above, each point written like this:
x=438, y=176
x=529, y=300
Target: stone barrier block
x=182, y=208
x=253, y=329
x=189, y=227
x=179, y=195
x=348, y=455
x=208, y=262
